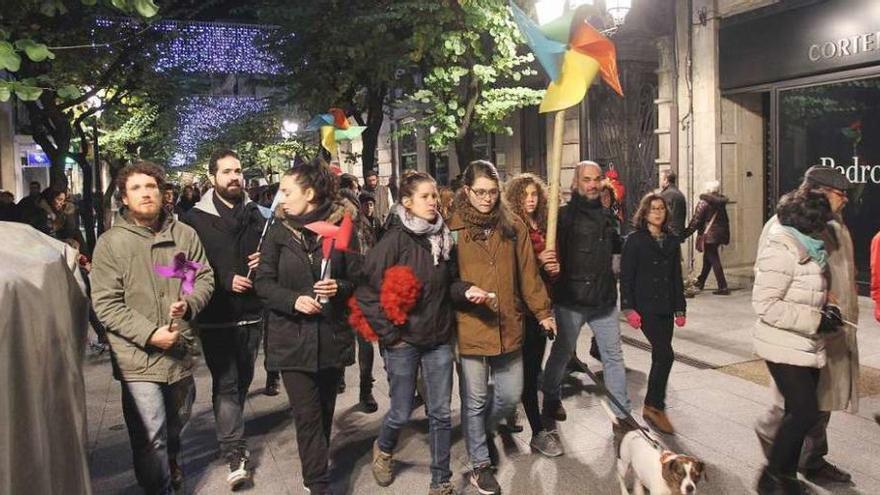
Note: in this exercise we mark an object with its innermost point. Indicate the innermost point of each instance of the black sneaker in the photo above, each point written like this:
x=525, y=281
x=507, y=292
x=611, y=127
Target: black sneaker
x=368, y=402
x=484, y=481
x=826, y=474
x=238, y=470
x=273, y=388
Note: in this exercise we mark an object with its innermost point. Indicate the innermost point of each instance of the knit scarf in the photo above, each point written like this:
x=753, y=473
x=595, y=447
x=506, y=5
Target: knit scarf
x=297, y=222
x=479, y=225
x=437, y=232
x=815, y=247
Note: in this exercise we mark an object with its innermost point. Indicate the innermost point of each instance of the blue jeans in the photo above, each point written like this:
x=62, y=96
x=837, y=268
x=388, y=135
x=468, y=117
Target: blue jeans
x=606, y=328
x=155, y=414
x=402, y=364
x=481, y=413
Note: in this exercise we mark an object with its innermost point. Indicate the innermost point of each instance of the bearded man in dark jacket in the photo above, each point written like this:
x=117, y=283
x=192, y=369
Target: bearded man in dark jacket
x=586, y=292
x=229, y=225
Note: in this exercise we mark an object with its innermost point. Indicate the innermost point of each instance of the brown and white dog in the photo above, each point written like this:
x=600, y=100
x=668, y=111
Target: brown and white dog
x=662, y=472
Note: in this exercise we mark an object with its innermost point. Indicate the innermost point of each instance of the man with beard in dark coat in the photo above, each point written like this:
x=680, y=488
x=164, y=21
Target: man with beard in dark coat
x=229, y=225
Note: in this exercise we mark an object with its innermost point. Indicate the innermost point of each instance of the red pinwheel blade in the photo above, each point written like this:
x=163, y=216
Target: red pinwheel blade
x=323, y=229
x=327, y=247
x=343, y=235
x=340, y=121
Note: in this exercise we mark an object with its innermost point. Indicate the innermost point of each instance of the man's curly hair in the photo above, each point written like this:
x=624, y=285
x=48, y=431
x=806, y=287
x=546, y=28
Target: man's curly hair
x=515, y=194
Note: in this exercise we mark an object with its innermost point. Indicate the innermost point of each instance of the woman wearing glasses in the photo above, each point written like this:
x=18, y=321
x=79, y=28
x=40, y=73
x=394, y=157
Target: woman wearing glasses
x=499, y=278
x=652, y=297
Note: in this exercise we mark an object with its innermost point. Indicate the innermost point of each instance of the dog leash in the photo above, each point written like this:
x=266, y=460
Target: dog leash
x=643, y=430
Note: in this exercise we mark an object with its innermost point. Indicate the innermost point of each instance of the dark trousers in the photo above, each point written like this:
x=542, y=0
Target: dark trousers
x=658, y=330
x=366, y=355
x=712, y=261
x=534, y=344
x=798, y=386
x=312, y=397
x=155, y=414
x=230, y=354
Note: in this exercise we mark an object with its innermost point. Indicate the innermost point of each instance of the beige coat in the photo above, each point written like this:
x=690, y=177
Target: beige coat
x=839, y=379
x=789, y=291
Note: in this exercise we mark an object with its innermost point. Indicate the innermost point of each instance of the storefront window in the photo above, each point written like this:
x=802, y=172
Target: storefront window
x=439, y=167
x=837, y=125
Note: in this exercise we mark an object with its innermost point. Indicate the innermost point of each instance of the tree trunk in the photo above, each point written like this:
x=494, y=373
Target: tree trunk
x=464, y=149
x=51, y=129
x=86, y=211
x=370, y=137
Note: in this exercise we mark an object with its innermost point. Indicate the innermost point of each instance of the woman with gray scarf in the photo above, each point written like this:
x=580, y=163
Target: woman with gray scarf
x=419, y=241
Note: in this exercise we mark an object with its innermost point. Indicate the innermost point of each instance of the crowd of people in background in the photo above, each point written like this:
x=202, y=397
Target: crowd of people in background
x=491, y=296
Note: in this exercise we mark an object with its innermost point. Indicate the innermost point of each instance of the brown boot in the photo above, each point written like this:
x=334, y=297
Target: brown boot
x=657, y=418
x=383, y=470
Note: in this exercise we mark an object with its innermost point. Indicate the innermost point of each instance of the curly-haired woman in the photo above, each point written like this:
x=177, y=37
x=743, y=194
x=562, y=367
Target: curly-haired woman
x=527, y=196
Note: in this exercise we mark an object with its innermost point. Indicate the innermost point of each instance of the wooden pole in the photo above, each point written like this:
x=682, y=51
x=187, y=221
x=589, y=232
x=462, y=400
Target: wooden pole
x=553, y=174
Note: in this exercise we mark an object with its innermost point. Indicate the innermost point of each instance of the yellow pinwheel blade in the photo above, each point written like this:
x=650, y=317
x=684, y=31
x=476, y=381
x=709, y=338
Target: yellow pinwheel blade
x=328, y=140
x=578, y=72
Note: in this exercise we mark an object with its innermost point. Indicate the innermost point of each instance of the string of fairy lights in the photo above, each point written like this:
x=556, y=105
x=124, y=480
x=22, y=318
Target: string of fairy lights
x=200, y=118
x=209, y=48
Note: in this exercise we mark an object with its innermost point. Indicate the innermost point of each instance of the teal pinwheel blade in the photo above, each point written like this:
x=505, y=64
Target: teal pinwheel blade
x=319, y=121
x=348, y=134
x=549, y=52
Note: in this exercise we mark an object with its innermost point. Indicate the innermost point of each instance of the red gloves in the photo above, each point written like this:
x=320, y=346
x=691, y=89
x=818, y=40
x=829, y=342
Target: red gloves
x=634, y=319
x=680, y=321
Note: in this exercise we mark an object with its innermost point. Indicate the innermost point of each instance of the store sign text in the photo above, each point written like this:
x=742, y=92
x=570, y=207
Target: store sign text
x=855, y=172
x=860, y=43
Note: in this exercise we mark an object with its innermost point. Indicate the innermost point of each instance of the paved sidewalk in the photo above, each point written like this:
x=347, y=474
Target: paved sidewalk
x=712, y=410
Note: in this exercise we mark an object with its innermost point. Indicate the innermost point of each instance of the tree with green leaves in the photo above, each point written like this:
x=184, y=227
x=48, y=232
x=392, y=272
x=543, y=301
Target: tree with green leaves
x=472, y=73
x=354, y=55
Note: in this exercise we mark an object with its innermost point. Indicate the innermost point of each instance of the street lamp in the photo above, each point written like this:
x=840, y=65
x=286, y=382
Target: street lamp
x=618, y=9
x=288, y=128
x=550, y=10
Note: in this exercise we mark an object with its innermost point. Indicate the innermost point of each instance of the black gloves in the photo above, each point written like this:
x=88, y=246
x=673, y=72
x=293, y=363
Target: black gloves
x=832, y=320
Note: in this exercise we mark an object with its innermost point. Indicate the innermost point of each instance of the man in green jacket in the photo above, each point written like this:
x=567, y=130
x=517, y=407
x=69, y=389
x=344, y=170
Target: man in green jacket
x=147, y=320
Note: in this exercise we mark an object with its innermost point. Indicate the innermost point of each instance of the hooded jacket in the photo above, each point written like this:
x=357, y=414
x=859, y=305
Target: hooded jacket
x=132, y=301
x=227, y=242
x=709, y=205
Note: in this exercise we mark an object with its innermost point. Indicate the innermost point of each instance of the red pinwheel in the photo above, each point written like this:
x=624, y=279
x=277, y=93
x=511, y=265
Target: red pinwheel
x=333, y=236
x=180, y=268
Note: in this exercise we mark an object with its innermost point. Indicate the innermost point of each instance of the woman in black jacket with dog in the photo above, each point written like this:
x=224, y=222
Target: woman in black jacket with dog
x=308, y=340
x=652, y=297
x=416, y=250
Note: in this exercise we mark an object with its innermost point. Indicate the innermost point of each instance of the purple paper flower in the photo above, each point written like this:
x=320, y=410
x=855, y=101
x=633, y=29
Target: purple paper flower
x=183, y=269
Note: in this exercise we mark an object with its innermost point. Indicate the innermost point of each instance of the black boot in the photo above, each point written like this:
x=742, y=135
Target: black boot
x=340, y=387
x=272, y=386
x=774, y=484
x=368, y=402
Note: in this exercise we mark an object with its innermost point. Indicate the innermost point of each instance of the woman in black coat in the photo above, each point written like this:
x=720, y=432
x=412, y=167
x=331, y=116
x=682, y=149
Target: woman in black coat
x=308, y=340
x=652, y=297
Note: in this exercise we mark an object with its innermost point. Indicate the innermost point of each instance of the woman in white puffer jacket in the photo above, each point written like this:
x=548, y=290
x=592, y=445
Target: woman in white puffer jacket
x=790, y=297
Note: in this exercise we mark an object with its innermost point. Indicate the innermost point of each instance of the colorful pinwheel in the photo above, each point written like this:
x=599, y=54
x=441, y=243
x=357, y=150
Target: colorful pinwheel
x=572, y=52
x=334, y=126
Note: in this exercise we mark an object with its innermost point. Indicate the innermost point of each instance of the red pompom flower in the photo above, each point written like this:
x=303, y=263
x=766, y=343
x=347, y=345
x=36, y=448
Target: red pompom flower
x=397, y=297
